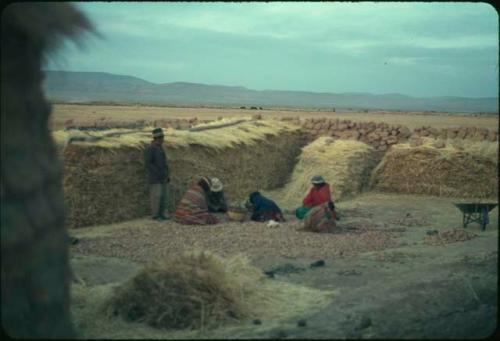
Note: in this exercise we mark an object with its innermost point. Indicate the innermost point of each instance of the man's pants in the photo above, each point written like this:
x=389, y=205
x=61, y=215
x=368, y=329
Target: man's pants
x=158, y=198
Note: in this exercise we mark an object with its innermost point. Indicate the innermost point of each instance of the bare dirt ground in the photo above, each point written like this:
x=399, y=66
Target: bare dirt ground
x=86, y=114
x=389, y=282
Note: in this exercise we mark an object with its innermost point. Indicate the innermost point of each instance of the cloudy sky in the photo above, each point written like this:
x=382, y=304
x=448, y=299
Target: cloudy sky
x=416, y=49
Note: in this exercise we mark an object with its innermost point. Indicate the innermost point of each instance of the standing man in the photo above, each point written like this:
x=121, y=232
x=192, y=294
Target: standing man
x=158, y=175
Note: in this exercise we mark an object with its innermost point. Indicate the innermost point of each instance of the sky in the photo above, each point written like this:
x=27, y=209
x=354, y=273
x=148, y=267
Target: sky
x=417, y=49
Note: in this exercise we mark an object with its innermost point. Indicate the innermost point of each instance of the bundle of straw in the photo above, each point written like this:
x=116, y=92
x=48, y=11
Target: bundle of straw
x=464, y=170
x=344, y=164
x=196, y=290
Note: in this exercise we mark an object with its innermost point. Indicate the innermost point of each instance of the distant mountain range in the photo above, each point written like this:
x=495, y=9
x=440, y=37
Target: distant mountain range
x=81, y=87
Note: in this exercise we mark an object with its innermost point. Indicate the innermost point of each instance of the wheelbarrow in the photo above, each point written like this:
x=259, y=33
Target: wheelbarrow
x=475, y=212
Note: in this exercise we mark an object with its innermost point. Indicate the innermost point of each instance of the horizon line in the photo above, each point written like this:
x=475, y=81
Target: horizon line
x=244, y=87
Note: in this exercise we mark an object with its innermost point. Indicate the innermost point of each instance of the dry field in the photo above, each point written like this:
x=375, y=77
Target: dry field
x=87, y=114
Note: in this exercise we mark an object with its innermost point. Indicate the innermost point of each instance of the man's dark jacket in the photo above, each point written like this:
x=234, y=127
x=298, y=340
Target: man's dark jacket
x=156, y=164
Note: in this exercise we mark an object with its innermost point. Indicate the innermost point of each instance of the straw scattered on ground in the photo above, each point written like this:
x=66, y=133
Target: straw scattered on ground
x=196, y=295
x=449, y=236
x=411, y=220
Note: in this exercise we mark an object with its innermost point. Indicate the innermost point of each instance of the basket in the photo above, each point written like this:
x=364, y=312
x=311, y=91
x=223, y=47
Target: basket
x=237, y=214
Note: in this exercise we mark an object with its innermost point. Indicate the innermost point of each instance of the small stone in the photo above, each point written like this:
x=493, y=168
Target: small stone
x=269, y=274
x=318, y=263
x=301, y=323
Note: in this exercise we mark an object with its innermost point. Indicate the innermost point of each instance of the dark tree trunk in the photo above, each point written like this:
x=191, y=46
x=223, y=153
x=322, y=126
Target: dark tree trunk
x=35, y=267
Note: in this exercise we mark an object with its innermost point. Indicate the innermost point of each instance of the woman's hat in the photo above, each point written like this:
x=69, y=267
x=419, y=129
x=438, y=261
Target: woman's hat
x=317, y=179
x=216, y=185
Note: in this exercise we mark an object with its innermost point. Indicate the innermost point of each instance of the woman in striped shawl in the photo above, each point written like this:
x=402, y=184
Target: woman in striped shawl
x=320, y=218
x=193, y=208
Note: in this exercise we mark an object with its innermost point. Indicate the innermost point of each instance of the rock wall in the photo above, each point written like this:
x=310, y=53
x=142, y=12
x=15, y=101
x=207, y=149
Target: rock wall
x=382, y=135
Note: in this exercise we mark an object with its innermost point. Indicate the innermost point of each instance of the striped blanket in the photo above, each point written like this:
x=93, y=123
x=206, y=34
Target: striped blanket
x=320, y=219
x=193, y=209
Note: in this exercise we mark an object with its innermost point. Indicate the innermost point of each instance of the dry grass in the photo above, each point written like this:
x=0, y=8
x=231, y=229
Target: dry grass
x=344, y=164
x=89, y=114
x=188, y=299
x=484, y=149
x=196, y=290
x=246, y=133
x=461, y=169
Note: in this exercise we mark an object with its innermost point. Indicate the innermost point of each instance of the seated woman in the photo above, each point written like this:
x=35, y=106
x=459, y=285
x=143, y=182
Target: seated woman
x=320, y=218
x=193, y=207
x=264, y=209
x=318, y=194
x=216, y=201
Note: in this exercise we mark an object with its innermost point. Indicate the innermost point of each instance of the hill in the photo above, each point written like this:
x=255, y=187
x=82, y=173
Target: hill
x=65, y=86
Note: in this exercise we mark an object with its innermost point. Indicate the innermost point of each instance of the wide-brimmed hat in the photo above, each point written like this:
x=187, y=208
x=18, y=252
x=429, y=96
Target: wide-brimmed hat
x=158, y=132
x=216, y=185
x=317, y=179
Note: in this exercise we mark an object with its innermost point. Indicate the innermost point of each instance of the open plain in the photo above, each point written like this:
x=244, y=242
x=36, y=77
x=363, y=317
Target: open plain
x=88, y=114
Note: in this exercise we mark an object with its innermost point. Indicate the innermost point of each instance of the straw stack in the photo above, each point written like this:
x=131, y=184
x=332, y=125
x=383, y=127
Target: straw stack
x=194, y=291
x=344, y=164
x=105, y=179
x=460, y=168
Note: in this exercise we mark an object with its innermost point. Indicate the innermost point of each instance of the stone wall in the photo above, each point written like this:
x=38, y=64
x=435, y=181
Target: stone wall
x=382, y=135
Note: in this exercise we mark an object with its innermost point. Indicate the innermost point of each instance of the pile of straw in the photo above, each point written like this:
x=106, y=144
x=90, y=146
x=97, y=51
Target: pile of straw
x=193, y=291
x=230, y=289
x=462, y=169
x=449, y=236
x=344, y=164
x=105, y=179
